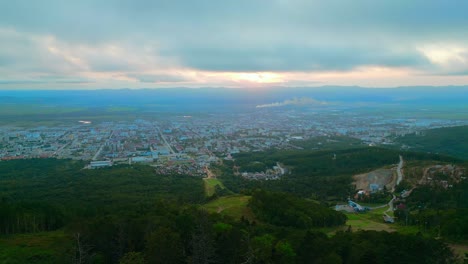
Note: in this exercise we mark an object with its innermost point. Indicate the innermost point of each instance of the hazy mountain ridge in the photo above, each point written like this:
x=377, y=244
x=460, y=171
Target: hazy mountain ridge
x=247, y=97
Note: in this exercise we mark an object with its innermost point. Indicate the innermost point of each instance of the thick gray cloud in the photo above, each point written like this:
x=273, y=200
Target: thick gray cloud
x=58, y=80
x=316, y=58
x=90, y=19
x=241, y=35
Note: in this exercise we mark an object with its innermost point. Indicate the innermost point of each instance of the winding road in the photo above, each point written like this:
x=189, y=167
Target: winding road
x=399, y=179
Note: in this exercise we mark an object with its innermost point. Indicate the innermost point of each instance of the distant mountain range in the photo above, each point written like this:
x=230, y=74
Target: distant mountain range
x=439, y=96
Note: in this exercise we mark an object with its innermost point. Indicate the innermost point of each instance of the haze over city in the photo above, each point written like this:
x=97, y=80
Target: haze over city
x=54, y=44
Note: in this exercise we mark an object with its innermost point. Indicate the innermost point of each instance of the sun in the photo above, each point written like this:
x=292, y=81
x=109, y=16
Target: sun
x=257, y=77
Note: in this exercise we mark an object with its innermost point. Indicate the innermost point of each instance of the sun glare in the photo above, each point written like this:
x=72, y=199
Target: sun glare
x=257, y=77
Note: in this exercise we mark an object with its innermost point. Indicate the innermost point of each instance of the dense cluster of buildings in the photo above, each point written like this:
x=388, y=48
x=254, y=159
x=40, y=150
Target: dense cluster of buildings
x=189, y=144
x=270, y=174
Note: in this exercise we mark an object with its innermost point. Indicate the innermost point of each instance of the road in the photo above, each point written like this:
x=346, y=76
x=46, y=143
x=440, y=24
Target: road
x=209, y=173
x=390, y=205
x=64, y=146
x=399, y=179
x=57, y=152
x=400, y=174
x=165, y=141
x=102, y=146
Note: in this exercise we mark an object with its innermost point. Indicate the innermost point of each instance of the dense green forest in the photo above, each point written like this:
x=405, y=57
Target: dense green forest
x=54, y=211
x=41, y=194
x=328, y=143
x=437, y=210
x=286, y=210
x=448, y=140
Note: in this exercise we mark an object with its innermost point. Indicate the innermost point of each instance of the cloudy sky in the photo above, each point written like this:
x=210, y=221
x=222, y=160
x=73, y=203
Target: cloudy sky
x=90, y=44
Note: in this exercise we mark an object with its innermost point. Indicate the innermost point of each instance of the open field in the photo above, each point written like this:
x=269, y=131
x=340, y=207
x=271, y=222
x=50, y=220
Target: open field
x=210, y=185
x=360, y=222
x=371, y=220
x=234, y=206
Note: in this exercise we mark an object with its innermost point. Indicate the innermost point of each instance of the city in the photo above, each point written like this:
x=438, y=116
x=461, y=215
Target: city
x=185, y=144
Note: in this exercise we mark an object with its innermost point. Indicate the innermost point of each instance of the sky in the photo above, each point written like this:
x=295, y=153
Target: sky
x=88, y=44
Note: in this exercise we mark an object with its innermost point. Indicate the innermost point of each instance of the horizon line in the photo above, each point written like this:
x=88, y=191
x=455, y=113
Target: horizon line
x=237, y=88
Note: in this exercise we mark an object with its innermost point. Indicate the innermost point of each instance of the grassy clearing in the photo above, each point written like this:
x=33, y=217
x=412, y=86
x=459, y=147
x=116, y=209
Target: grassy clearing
x=234, y=206
x=371, y=220
x=45, y=247
x=361, y=223
x=210, y=185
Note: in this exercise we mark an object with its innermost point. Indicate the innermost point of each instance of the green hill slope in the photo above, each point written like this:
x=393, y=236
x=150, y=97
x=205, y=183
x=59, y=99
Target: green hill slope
x=451, y=141
x=317, y=174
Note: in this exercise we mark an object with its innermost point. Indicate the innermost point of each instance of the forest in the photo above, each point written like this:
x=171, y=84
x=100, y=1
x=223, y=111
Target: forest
x=54, y=211
x=437, y=210
x=447, y=140
x=283, y=209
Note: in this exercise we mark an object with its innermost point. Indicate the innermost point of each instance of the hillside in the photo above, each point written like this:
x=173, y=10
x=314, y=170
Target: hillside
x=448, y=140
x=325, y=174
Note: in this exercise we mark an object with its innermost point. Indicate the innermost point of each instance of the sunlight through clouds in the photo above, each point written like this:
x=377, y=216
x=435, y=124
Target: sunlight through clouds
x=243, y=43
x=451, y=58
x=258, y=77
